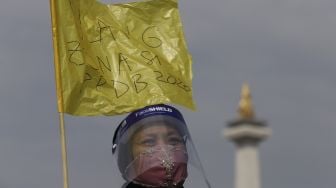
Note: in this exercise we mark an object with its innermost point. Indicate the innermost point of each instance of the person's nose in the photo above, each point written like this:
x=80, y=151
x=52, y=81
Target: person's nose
x=161, y=142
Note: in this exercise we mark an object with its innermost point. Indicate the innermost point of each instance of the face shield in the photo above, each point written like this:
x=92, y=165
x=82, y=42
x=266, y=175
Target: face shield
x=156, y=150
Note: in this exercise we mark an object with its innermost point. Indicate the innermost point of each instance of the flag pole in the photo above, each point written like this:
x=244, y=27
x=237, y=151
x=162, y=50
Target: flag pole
x=53, y=10
x=64, y=151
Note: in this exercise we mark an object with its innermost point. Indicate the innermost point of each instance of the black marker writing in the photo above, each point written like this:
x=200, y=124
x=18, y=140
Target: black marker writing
x=183, y=86
x=127, y=33
x=101, y=82
x=159, y=76
x=123, y=61
x=75, y=51
x=149, y=40
x=87, y=77
x=171, y=80
x=120, y=88
x=151, y=58
x=138, y=84
x=104, y=31
x=103, y=64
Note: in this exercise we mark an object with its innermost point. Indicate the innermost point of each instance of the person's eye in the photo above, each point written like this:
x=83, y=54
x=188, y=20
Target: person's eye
x=148, y=142
x=175, y=141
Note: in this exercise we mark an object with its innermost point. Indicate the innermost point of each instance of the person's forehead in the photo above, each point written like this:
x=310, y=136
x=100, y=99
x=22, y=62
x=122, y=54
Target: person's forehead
x=157, y=128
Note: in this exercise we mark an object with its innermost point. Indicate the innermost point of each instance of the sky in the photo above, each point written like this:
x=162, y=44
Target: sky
x=284, y=49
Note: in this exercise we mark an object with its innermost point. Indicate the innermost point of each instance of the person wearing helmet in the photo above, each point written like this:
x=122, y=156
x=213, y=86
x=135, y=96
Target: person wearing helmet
x=153, y=147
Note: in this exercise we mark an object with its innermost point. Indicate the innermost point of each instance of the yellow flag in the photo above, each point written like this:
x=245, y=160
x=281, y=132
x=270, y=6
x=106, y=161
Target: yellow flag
x=112, y=59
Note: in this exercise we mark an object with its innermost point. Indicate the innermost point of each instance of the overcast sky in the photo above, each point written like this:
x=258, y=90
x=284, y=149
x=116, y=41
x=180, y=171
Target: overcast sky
x=285, y=50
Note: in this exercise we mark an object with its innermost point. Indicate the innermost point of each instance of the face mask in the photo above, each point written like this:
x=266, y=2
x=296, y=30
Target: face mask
x=162, y=166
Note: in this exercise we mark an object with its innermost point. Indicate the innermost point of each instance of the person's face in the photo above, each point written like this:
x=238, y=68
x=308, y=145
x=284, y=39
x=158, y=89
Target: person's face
x=155, y=135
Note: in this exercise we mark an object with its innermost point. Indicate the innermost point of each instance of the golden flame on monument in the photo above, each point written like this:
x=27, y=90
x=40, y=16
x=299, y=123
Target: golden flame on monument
x=245, y=109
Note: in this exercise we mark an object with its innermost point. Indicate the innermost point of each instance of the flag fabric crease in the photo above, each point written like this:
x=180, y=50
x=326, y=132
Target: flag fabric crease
x=112, y=59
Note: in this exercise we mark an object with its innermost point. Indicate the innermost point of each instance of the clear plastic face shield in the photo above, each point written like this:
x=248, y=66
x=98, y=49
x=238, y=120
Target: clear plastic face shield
x=158, y=151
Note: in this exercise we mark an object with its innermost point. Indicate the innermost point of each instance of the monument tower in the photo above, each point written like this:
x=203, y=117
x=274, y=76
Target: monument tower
x=247, y=132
